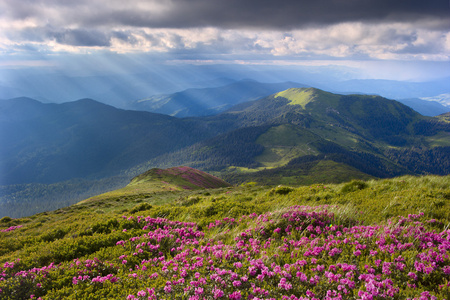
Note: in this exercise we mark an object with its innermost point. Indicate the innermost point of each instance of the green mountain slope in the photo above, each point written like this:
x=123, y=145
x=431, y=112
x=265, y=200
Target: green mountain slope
x=288, y=136
x=325, y=171
x=371, y=117
x=298, y=126
x=27, y=199
x=47, y=143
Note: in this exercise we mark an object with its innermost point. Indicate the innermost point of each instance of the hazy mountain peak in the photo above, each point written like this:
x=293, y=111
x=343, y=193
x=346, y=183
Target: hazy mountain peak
x=24, y=99
x=21, y=108
x=87, y=102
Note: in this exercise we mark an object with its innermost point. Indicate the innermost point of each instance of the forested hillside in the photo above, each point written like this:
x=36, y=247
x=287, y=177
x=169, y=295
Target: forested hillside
x=295, y=129
x=47, y=143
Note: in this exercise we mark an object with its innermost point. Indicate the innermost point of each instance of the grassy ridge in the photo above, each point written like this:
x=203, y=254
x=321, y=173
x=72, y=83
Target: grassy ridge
x=182, y=177
x=305, y=96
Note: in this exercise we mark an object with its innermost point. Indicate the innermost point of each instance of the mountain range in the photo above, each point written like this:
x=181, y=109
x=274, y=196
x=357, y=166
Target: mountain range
x=197, y=102
x=295, y=136
x=122, y=90
x=369, y=133
x=209, y=101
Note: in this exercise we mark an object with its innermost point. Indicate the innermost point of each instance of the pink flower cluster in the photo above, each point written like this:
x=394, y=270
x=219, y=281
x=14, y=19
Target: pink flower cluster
x=12, y=228
x=326, y=261
x=298, y=253
x=222, y=223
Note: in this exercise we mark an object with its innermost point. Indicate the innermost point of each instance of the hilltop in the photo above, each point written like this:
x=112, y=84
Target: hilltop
x=182, y=177
x=153, y=181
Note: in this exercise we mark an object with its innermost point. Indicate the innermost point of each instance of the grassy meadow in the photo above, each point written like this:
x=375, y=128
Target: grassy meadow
x=375, y=239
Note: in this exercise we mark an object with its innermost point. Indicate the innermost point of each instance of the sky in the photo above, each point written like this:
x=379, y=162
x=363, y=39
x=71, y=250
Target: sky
x=391, y=39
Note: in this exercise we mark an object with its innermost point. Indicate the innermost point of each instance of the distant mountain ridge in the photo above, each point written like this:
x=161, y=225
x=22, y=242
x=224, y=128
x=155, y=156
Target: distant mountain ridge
x=119, y=88
x=218, y=95
x=393, y=89
x=47, y=143
x=426, y=107
x=214, y=100
x=209, y=101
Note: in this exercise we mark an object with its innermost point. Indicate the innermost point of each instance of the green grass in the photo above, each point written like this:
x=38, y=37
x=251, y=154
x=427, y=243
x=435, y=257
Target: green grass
x=273, y=157
x=442, y=139
x=328, y=171
x=325, y=171
x=375, y=203
x=242, y=169
x=297, y=96
x=284, y=143
x=135, y=191
x=337, y=135
x=92, y=228
x=378, y=201
x=287, y=135
x=305, y=96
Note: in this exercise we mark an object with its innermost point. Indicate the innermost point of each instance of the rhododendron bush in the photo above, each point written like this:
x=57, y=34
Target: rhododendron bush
x=300, y=252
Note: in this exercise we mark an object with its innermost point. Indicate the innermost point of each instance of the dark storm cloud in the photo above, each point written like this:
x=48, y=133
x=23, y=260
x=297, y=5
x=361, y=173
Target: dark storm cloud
x=281, y=14
x=80, y=37
x=73, y=37
x=276, y=14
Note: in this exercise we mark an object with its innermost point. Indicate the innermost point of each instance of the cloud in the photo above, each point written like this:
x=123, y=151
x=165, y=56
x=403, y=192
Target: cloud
x=359, y=40
x=353, y=40
x=82, y=37
x=231, y=14
x=375, y=29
